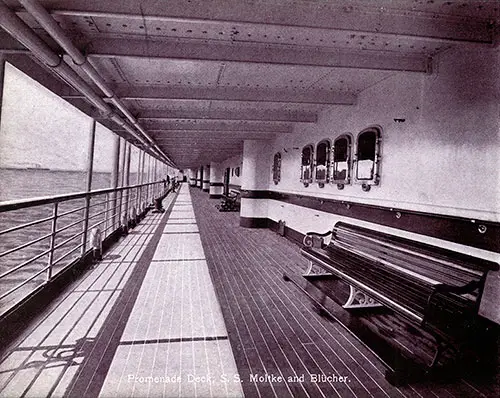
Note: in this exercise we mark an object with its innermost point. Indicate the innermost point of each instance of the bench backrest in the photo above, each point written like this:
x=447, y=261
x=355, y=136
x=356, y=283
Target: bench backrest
x=430, y=263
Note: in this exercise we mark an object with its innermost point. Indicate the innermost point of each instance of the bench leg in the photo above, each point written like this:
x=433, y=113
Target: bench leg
x=309, y=273
x=309, y=269
x=358, y=299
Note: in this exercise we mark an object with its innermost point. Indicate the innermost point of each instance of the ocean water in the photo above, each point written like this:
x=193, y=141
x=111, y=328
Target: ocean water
x=22, y=184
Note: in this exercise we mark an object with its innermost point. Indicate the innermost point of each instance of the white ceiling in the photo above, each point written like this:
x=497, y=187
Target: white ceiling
x=201, y=76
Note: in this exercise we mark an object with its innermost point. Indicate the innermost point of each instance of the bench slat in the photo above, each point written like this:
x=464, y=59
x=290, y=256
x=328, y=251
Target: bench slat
x=370, y=291
x=437, y=265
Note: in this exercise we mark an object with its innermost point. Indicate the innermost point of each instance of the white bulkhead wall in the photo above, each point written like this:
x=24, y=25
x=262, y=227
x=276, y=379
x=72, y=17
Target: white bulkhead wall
x=233, y=162
x=443, y=159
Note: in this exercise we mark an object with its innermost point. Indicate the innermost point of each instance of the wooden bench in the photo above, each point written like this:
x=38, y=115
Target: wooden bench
x=230, y=202
x=437, y=289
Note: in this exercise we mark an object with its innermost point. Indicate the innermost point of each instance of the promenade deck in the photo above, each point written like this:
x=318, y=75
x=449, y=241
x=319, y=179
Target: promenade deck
x=190, y=304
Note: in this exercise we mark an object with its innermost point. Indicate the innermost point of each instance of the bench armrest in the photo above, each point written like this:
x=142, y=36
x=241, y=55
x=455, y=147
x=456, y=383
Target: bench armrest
x=233, y=194
x=467, y=288
x=315, y=239
x=443, y=288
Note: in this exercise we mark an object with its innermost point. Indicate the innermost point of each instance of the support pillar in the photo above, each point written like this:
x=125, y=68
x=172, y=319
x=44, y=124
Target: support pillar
x=192, y=177
x=128, y=193
x=2, y=76
x=90, y=170
x=115, y=171
x=206, y=179
x=199, y=177
x=121, y=194
x=216, y=181
x=255, y=179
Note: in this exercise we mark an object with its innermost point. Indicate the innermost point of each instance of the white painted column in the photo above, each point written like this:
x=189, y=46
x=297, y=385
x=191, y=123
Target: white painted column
x=192, y=177
x=216, y=180
x=198, y=177
x=206, y=179
x=255, y=177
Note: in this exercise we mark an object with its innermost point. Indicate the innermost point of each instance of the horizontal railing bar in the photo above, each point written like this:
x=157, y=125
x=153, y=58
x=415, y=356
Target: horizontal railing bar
x=70, y=225
x=20, y=247
x=29, y=224
x=17, y=267
x=95, y=225
x=67, y=254
x=99, y=203
x=23, y=203
x=23, y=283
x=61, y=244
x=70, y=212
x=108, y=228
x=97, y=214
x=107, y=201
x=114, y=207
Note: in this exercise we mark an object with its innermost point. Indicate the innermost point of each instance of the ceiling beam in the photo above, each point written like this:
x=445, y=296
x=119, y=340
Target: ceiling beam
x=231, y=137
x=34, y=69
x=257, y=135
x=256, y=53
x=275, y=115
x=368, y=17
x=247, y=94
x=202, y=147
x=217, y=125
x=214, y=138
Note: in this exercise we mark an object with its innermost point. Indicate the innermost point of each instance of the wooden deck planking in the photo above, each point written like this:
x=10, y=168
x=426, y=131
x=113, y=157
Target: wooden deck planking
x=247, y=267
x=150, y=309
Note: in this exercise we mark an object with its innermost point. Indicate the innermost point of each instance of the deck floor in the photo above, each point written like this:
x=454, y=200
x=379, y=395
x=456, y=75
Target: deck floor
x=189, y=304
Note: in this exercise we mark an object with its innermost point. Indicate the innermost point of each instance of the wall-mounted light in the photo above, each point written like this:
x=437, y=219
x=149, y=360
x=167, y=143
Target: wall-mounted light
x=399, y=120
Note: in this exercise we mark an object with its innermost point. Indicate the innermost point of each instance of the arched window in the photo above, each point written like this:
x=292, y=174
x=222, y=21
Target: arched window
x=277, y=168
x=341, y=162
x=322, y=162
x=306, y=168
x=367, y=157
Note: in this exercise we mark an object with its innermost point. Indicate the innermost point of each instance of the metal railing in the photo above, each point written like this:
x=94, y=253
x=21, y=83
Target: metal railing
x=40, y=237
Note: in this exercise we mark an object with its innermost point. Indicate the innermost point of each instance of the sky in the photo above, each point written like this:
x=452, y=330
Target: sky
x=38, y=127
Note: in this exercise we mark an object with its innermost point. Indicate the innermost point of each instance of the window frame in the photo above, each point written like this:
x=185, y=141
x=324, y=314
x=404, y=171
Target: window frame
x=276, y=171
x=307, y=181
x=366, y=183
x=322, y=182
x=350, y=146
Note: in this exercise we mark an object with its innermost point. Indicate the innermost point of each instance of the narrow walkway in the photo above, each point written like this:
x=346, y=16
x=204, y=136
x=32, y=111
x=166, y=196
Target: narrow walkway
x=145, y=322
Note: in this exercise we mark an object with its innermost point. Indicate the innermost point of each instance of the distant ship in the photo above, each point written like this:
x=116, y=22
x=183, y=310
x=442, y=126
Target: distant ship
x=36, y=166
x=24, y=166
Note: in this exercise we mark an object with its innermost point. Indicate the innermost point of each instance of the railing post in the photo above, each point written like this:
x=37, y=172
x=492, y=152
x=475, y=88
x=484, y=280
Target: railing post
x=90, y=169
x=155, y=187
x=122, y=181
x=106, y=216
x=2, y=75
x=52, y=241
x=114, y=180
x=127, y=183
x=139, y=181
